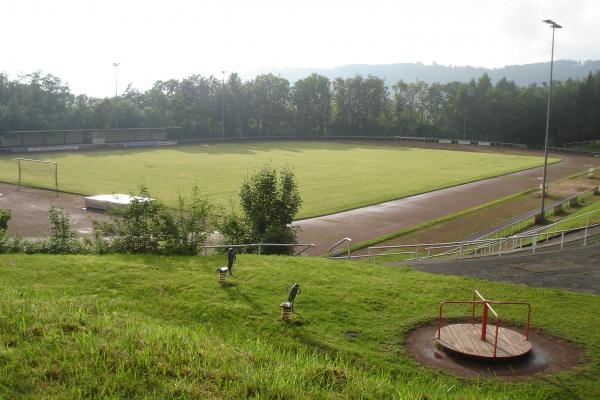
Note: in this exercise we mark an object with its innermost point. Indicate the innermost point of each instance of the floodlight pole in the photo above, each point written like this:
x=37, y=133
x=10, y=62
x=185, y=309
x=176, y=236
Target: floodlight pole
x=116, y=97
x=542, y=217
x=223, y=101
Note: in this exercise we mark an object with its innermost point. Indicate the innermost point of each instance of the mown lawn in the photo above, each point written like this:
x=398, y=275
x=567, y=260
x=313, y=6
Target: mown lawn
x=331, y=176
x=161, y=327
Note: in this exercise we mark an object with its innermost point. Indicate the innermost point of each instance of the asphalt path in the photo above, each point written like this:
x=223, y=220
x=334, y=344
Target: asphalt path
x=366, y=223
x=577, y=269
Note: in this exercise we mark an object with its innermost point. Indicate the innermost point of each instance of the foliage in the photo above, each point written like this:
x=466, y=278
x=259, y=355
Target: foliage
x=234, y=229
x=63, y=238
x=186, y=228
x=270, y=201
x=5, y=216
x=142, y=227
x=150, y=227
x=269, y=106
x=135, y=228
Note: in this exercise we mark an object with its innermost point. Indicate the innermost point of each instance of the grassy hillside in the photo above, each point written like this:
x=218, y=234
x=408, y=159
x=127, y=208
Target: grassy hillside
x=161, y=327
x=331, y=176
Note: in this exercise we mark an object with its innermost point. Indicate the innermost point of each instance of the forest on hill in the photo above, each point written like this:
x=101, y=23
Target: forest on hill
x=522, y=74
x=270, y=105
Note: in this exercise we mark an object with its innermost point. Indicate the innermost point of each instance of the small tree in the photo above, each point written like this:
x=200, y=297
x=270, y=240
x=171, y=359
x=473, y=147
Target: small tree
x=270, y=202
x=150, y=227
x=5, y=216
x=62, y=236
x=135, y=228
x=185, y=229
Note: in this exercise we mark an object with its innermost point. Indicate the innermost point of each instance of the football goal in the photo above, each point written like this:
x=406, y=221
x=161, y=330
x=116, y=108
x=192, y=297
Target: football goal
x=38, y=173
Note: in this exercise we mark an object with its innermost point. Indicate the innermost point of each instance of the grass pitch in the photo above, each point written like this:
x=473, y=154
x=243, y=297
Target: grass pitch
x=331, y=176
x=161, y=327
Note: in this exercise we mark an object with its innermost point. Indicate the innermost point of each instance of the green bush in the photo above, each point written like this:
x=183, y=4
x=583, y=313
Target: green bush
x=63, y=239
x=150, y=227
x=185, y=229
x=270, y=201
x=5, y=216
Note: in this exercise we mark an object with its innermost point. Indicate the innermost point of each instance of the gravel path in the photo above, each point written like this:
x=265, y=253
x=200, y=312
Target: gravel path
x=575, y=269
x=377, y=220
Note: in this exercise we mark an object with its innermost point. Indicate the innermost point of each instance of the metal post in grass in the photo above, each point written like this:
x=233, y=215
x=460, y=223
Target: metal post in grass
x=223, y=102
x=116, y=96
x=348, y=244
x=554, y=26
x=19, y=163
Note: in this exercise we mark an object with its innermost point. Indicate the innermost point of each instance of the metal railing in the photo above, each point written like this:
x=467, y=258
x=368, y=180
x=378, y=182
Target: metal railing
x=487, y=247
x=424, y=250
x=573, y=151
x=554, y=226
x=474, y=142
x=581, y=143
x=529, y=220
x=348, y=242
x=305, y=246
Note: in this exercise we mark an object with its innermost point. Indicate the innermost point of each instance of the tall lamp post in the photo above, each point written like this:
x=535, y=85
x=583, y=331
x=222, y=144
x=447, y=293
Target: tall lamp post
x=554, y=26
x=116, y=97
x=223, y=101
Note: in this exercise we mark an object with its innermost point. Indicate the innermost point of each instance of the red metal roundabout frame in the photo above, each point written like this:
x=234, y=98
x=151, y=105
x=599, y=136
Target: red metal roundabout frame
x=473, y=339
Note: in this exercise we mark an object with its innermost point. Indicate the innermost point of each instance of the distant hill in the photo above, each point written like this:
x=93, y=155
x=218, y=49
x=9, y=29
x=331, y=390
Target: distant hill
x=409, y=72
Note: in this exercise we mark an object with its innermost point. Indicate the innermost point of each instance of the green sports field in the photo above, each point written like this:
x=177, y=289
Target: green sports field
x=331, y=176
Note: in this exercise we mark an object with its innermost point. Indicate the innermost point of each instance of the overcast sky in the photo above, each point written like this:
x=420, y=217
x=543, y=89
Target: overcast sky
x=79, y=40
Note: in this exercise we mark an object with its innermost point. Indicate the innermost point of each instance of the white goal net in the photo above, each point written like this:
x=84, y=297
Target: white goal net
x=38, y=173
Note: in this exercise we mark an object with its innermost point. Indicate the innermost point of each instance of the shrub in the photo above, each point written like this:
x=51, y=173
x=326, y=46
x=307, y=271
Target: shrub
x=135, y=228
x=269, y=201
x=185, y=229
x=150, y=227
x=63, y=238
x=5, y=216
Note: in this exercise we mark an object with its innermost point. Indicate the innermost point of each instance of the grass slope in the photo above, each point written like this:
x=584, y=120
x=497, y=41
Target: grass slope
x=332, y=176
x=161, y=327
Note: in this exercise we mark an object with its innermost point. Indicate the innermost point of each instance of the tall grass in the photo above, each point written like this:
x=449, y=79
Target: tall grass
x=161, y=327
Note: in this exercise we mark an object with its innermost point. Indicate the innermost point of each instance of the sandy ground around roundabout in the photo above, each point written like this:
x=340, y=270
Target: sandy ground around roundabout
x=377, y=220
x=30, y=206
x=549, y=355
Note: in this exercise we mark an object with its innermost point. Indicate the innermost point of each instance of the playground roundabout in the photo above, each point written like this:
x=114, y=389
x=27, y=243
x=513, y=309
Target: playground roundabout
x=548, y=355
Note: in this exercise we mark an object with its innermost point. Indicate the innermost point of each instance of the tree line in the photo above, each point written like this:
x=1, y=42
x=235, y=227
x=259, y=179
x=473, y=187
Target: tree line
x=268, y=105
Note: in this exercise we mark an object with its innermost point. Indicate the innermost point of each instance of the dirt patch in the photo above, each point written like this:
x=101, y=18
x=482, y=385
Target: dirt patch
x=578, y=185
x=30, y=206
x=548, y=356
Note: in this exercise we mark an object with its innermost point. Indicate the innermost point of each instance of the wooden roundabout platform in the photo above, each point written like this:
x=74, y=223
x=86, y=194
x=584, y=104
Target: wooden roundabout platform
x=483, y=340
